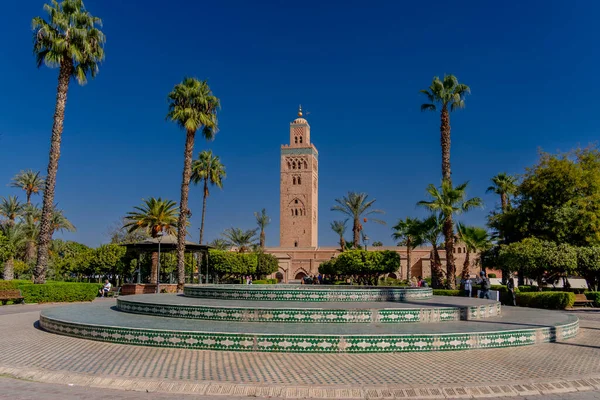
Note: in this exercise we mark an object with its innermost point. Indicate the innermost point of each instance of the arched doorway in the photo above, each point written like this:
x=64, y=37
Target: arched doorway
x=300, y=275
x=392, y=275
x=279, y=277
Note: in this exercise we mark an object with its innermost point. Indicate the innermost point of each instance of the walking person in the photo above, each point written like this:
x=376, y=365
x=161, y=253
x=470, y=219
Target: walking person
x=485, y=286
x=510, y=285
x=468, y=286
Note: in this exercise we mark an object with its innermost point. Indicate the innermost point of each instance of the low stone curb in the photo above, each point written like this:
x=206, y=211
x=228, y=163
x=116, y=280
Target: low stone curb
x=525, y=388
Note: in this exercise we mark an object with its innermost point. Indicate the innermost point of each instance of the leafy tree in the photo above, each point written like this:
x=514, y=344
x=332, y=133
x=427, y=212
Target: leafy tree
x=118, y=234
x=193, y=107
x=475, y=239
x=339, y=227
x=409, y=232
x=449, y=201
x=69, y=258
x=355, y=206
x=505, y=186
x=558, y=200
x=71, y=41
x=31, y=231
x=525, y=256
x=109, y=258
x=363, y=266
x=432, y=230
x=377, y=244
x=153, y=216
x=267, y=264
x=207, y=169
x=228, y=265
x=588, y=265
x=450, y=95
x=262, y=220
x=29, y=181
x=11, y=208
x=239, y=238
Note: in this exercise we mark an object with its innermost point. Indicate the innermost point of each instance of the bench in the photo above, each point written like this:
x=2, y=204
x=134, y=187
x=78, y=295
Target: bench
x=12, y=294
x=114, y=292
x=580, y=299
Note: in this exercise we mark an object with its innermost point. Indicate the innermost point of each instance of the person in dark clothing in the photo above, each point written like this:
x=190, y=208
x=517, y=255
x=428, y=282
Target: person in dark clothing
x=485, y=286
x=510, y=285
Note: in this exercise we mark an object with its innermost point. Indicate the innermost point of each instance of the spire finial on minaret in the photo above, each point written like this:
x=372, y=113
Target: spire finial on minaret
x=300, y=110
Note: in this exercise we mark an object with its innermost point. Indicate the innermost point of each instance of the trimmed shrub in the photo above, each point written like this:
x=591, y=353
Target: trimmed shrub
x=59, y=292
x=594, y=296
x=264, y=282
x=550, y=300
x=526, y=288
x=491, y=275
x=14, y=284
x=447, y=292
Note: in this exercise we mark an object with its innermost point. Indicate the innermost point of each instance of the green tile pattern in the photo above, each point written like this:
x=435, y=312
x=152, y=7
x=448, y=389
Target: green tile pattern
x=300, y=343
x=306, y=293
x=308, y=315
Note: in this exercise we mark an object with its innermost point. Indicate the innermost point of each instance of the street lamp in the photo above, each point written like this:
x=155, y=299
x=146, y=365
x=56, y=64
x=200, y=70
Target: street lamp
x=365, y=239
x=159, y=236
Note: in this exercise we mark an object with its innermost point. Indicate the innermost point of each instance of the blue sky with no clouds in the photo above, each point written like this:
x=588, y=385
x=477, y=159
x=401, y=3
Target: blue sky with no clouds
x=356, y=67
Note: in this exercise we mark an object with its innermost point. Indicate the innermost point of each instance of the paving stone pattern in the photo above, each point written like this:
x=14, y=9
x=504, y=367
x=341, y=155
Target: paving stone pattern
x=547, y=369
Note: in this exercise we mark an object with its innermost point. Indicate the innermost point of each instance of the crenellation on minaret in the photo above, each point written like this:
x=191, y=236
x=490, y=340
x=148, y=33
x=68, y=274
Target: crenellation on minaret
x=299, y=188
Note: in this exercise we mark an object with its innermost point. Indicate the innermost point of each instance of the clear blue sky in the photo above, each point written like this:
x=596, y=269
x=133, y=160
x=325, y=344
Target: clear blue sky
x=355, y=66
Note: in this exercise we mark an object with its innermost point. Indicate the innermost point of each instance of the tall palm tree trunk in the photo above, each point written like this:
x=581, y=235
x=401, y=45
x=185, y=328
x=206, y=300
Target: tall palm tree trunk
x=205, y=195
x=183, y=209
x=466, y=271
x=449, y=246
x=28, y=194
x=154, y=268
x=356, y=232
x=445, y=141
x=342, y=243
x=504, y=201
x=29, y=251
x=408, y=259
x=262, y=238
x=9, y=269
x=437, y=275
x=45, y=237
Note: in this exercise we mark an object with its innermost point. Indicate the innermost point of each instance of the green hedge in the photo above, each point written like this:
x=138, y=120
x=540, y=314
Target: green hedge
x=594, y=296
x=447, y=292
x=264, y=282
x=59, y=292
x=551, y=300
x=14, y=284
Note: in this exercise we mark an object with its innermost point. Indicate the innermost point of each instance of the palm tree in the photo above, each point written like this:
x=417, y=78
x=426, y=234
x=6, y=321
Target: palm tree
x=11, y=208
x=60, y=223
x=31, y=231
x=71, y=41
x=450, y=95
x=262, y=219
x=13, y=235
x=432, y=230
x=153, y=216
x=219, y=244
x=239, y=238
x=208, y=169
x=193, y=107
x=448, y=201
x=409, y=233
x=504, y=185
x=339, y=227
x=31, y=182
x=355, y=206
x=475, y=239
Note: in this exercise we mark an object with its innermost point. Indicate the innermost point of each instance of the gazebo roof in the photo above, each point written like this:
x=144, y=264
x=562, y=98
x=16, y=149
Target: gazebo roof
x=167, y=243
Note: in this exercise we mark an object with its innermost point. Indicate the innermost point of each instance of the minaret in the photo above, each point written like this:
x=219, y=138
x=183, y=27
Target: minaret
x=299, y=194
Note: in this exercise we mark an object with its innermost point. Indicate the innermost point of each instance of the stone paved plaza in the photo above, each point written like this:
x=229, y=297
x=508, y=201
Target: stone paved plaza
x=552, y=370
